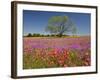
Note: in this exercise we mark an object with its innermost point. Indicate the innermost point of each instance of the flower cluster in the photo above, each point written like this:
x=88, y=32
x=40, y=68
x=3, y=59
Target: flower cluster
x=56, y=52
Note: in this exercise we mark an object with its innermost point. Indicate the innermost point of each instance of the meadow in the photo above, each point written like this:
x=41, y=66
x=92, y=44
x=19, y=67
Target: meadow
x=51, y=52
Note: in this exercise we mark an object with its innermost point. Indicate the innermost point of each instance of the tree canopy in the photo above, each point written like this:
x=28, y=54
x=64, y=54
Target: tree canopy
x=60, y=24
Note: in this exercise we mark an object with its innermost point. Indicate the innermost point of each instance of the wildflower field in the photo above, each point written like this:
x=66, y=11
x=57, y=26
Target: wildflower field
x=50, y=52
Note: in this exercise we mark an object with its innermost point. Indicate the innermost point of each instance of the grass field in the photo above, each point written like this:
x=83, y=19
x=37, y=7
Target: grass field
x=50, y=52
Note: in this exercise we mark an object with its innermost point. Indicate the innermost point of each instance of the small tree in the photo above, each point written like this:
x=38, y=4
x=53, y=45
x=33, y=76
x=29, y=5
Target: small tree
x=29, y=35
x=58, y=25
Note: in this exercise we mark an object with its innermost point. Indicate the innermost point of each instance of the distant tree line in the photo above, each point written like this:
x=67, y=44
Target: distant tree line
x=43, y=35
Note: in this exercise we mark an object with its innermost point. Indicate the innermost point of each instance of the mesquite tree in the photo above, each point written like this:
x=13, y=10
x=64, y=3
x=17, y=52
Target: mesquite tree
x=59, y=25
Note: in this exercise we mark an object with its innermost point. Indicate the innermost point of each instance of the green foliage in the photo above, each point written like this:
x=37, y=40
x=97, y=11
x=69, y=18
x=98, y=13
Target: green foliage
x=32, y=62
x=42, y=35
x=29, y=35
x=59, y=25
x=36, y=35
x=74, y=59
